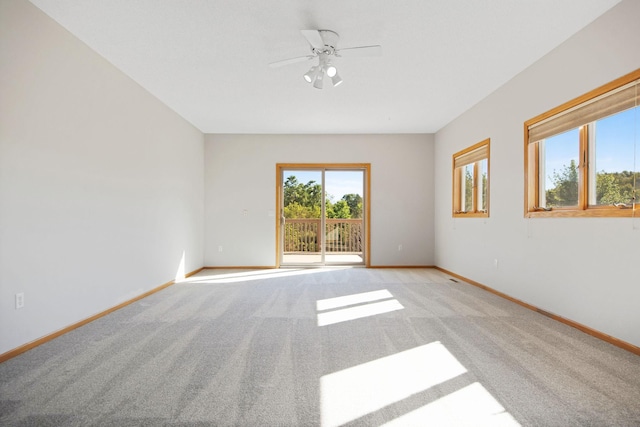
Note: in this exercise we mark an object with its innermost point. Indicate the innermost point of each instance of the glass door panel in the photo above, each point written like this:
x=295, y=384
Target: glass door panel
x=301, y=217
x=344, y=217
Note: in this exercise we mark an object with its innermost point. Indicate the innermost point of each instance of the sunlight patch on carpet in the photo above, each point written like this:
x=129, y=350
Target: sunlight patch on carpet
x=338, y=302
x=223, y=276
x=358, y=306
x=472, y=405
x=357, y=391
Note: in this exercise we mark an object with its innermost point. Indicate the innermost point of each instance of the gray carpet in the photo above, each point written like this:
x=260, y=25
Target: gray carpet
x=280, y=348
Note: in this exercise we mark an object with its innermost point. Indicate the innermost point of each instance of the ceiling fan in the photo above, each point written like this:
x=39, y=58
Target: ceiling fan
x=324, y=46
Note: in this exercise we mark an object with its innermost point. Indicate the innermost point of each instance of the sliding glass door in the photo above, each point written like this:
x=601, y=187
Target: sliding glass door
x=322, y=215
x=301, y=217
x=343, y=216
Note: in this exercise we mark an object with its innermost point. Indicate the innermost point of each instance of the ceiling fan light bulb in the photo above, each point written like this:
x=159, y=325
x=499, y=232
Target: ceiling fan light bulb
x=331, y=70
x=336, y=80
x=310, y=75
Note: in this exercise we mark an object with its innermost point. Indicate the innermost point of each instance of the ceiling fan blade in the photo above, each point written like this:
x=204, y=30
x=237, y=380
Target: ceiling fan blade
x=314, y=38
x=291, y=61
x=375, y=50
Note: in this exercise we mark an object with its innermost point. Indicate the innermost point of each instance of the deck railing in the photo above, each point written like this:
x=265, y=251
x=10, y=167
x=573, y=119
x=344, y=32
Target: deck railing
x=340, y=235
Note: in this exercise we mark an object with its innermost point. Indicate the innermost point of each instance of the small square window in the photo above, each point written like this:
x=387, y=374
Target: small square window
x=471, y=181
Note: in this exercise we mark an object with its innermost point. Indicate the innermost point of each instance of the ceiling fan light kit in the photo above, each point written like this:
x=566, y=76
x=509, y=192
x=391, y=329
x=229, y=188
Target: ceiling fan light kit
x=324, y=46
x=316, y=74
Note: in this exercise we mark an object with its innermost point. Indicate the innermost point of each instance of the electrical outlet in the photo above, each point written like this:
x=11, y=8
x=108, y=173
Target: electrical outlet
x=399, y=247
x=495, y=263
x=19, y=300
x=220, y=248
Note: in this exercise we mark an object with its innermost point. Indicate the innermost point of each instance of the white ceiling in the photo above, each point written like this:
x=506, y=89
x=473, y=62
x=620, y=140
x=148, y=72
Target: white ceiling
x=207, y=59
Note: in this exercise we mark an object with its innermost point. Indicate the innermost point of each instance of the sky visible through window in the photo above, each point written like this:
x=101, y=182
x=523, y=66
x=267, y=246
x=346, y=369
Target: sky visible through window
x=337, y=183
x=617, y=146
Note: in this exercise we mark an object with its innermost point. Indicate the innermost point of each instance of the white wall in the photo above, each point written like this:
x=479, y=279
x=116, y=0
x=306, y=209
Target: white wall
x=101, y=185
x=584, y=269
x=240, y=173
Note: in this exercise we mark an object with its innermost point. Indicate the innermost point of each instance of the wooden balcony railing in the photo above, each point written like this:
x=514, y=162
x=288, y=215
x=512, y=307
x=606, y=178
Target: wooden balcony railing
x=340, y=235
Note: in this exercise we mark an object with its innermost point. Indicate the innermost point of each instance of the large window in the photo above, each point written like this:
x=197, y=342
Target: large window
x=471, y=181
x=582, y=158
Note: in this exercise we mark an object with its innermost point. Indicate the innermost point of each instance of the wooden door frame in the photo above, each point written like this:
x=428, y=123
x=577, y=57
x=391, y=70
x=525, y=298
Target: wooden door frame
x=365, y=167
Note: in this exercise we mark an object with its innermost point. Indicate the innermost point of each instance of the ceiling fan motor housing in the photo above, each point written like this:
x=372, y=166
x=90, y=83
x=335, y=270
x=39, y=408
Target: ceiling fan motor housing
x=330, y=39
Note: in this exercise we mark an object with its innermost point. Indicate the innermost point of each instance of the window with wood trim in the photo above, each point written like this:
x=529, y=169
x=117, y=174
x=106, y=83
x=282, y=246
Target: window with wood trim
x=471, y=181
x=583, y=158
